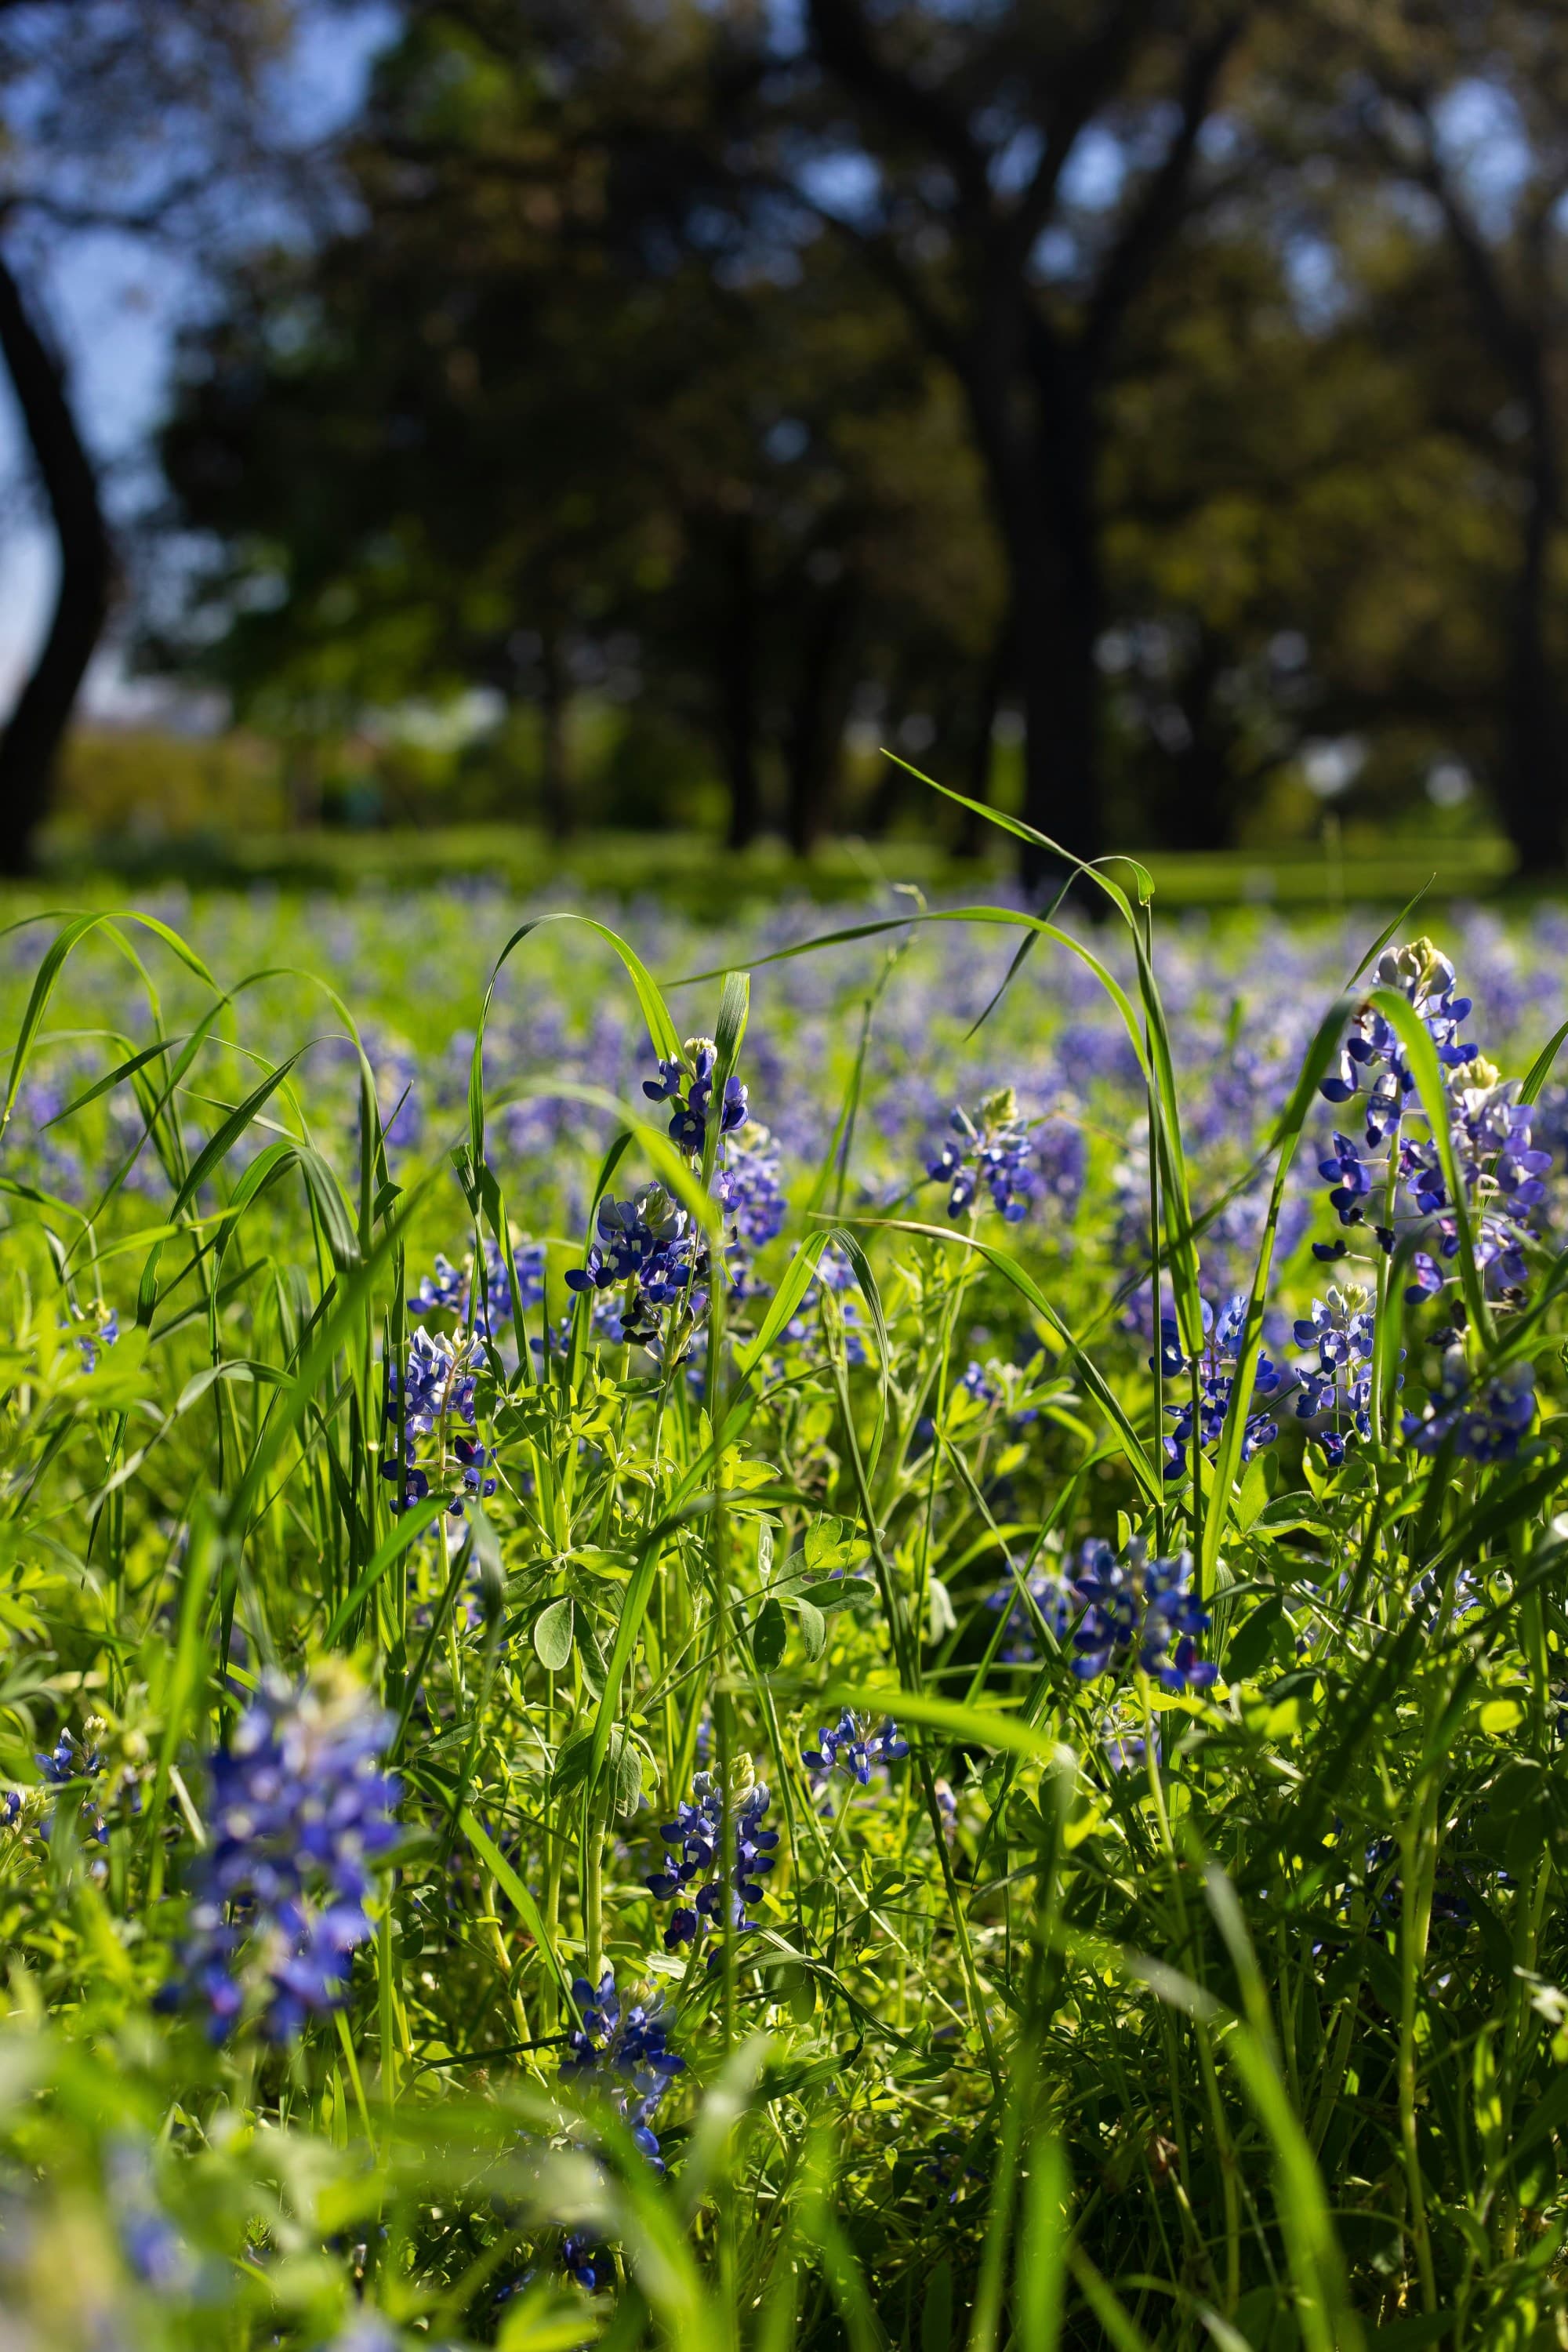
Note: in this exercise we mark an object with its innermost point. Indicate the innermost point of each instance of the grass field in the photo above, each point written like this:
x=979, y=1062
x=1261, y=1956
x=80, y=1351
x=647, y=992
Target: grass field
x=866, y=1656
x=691, y=872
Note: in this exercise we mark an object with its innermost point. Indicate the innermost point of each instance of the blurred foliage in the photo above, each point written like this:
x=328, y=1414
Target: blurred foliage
x=631, y=396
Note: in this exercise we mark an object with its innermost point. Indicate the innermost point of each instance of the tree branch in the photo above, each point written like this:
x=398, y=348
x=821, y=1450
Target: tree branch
x=1159, y=208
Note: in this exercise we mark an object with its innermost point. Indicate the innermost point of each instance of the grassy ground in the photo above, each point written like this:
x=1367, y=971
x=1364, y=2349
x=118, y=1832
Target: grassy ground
x=894, y=1799
x=693, y=872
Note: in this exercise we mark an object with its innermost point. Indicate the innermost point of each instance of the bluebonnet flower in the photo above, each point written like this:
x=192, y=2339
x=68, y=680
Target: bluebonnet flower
x=1483, y=1420
x=974, y=1383
x=301, y=1815
x=71, y=1760
x=584, y=2263
x=1352, y=1178
x=689, y=1086
x=624, y=2051
x=1373, y=1063
x=1499, y=1162
x=1142, y=1609
x=632, y=1238
x=153, y=2250
x=835, y=1274
x=442, y=1375
x=656, y=1249
x=1217, y=1362
x=747, y=1188
x=1336, y=1389
x=1058, y=1607
x=442, y=1382
x=1061, y=1162
x=847, y=1744
x=698, y=1832
x=104, y=1332
x=447, y=1289
x=995, y=1150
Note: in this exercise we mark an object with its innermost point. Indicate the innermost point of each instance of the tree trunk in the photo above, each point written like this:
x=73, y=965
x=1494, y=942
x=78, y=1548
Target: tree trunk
x=975, y=835
x=1056, y=567
x=1192, y=804
x=31, y=741
x=555, y=782
x=738, y=682
x=1531, y=782
x=817, y=720
x=1040, y=476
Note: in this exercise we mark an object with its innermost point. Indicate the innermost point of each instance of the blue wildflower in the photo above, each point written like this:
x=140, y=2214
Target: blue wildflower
x=1336, y=1389
x=625, y=2052
x=301, y=1815
x=447, y=1289
x=688, y=1085
x=1140, y=1609
x=996, y=1149
x=1057, y=1607
x=848, y=1745
x=1373, y=1063
x=1217, y=1362
x=1483, y=1420
x=698, y=1830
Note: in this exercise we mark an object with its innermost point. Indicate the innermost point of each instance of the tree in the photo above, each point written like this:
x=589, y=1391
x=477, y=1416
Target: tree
x=1456, y=117
x=116, y=114
x=522, y=413
x=1015, y=173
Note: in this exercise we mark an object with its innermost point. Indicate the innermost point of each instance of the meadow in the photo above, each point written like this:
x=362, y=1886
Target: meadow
x=843, y=1628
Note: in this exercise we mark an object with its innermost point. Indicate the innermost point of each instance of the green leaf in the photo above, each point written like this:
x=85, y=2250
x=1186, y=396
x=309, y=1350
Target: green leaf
x=768, y=1636
x=553, y=1635
x=812, y=1629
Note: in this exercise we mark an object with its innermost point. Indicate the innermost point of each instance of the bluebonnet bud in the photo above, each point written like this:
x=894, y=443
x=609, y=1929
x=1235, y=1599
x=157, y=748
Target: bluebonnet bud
x=1483, y=1420
x=698, y=1830
x=1140, y=1609
x=301, y=1816
x=623, y=2052
x=846, y=1744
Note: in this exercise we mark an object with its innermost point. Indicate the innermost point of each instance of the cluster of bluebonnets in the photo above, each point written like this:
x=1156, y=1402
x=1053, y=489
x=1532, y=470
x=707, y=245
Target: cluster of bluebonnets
x=301, y=1811
x=302, y=1817
x=319, y=1804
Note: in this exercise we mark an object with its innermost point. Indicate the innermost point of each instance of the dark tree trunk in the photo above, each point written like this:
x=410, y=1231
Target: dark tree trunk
x=1532, y=784
x=555, y=781
x=738, y=680
x=1193, y=809
x=31, y=742
x=815, y=733
x=975, y=835
x=1055, y=559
